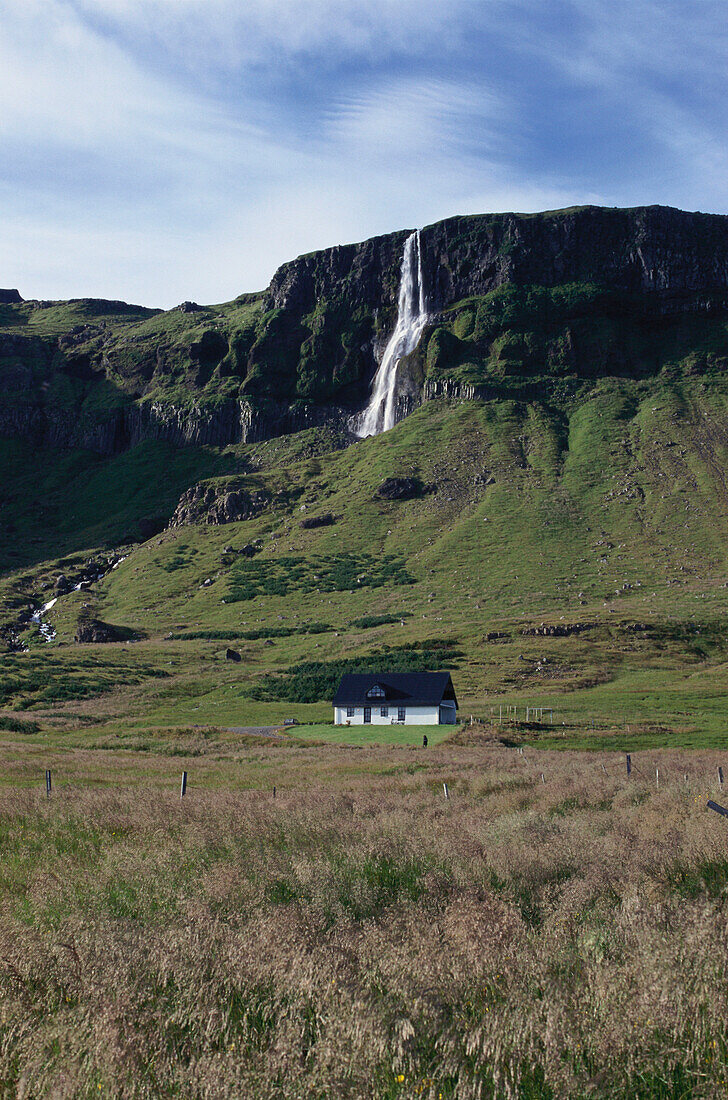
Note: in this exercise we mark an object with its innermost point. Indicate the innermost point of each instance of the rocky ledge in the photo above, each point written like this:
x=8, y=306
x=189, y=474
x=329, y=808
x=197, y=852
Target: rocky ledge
x=212, y=504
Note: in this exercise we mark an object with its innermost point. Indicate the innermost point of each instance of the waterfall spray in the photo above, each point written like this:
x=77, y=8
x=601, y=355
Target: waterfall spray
x=379, y=415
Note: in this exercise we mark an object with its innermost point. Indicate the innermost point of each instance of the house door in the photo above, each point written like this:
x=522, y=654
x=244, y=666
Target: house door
x=367, y=714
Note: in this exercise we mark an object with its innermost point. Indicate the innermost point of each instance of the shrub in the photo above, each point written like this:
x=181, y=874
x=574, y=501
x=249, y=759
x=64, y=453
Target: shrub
x=314, y=681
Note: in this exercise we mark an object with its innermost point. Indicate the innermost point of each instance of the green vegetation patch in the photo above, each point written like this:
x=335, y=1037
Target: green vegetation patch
x=251, y=635
x=330, y=573
x=17, y=725
x=314, y=681
x=37, y=680
x=181, y=559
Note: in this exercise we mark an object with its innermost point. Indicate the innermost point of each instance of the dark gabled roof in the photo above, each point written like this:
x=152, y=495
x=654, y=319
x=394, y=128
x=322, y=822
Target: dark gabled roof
x=415, y=689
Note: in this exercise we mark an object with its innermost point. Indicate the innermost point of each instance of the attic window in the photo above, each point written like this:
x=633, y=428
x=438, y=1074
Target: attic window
x=376, y=692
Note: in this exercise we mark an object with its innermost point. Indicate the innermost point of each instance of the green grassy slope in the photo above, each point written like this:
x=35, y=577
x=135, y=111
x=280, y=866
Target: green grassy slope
x=91, y=355
x=609, y=513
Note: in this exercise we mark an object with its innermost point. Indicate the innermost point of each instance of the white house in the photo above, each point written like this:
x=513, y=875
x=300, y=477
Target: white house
x=381, y=698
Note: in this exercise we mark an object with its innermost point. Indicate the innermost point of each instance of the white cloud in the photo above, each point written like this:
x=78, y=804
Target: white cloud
x=164, y=149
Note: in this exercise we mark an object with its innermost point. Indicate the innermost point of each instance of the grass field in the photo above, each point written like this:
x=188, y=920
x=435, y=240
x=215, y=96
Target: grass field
x=609, y=526
x=358, y=935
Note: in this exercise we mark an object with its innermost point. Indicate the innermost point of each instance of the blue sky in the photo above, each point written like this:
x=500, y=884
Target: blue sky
x=157, y=150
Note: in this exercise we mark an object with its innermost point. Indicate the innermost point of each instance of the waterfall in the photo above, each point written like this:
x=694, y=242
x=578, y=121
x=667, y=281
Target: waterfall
x=379, y=414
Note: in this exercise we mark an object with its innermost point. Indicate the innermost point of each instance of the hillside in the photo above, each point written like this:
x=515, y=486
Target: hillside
x=555, y=533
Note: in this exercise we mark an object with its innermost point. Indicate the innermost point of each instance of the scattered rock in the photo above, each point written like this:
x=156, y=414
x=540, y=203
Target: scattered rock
x=232, y=655
x=63, y=585
x=557, y=630
x=189, y=307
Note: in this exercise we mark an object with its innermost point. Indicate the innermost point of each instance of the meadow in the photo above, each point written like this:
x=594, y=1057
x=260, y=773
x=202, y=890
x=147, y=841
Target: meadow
x=356, y=934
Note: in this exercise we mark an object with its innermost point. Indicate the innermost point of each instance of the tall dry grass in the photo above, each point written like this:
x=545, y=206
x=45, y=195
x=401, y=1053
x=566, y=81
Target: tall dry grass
x=359, y=936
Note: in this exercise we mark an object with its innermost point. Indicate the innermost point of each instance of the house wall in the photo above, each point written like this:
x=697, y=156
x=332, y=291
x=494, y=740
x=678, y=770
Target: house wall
x=448, y=714
x=415, y=716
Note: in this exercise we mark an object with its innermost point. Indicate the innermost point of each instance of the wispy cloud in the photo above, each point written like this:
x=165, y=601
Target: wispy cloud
x=163, y=149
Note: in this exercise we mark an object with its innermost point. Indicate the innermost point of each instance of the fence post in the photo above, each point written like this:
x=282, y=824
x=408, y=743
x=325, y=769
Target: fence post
x=604, y=769
x=48, y=782
x=720, y=777
x=447, y=793
x=183, y=788
x=542, y=778
x=274, y=792
x=657, y=777
x=629, y=764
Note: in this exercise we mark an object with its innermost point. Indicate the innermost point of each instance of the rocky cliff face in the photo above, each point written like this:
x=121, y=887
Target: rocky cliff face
x=647, y=249
x=115, y=431
x=332, y=310
x=652, y=248
x=305, y=353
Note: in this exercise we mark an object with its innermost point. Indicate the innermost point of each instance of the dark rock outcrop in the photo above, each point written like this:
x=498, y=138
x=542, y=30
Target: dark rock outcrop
x=214, y=504
x=10, y=298
x=324, y=520
x=400, y=488
x=95, y=631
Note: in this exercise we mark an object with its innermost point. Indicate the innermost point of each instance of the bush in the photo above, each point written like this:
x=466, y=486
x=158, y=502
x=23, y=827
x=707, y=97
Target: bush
x=315, y=681
x=18, y=725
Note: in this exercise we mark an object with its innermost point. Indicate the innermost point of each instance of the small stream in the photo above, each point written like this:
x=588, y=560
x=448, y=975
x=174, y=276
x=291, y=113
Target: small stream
x=37, y=617
x=87, y=579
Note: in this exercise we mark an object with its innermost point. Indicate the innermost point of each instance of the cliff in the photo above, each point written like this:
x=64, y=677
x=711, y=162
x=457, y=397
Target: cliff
x=520, y=305
x=652, y=248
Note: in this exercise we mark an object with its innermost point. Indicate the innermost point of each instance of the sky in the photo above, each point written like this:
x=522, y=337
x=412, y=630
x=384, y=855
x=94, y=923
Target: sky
x=163, y=150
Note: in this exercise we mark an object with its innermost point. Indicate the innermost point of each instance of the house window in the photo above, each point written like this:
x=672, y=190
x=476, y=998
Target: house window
x=376, y=692
x=349, y=712
x=401, y=712
x=383, y=712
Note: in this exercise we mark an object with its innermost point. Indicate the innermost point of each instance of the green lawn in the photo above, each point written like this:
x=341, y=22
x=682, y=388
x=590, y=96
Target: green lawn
x=372, y=735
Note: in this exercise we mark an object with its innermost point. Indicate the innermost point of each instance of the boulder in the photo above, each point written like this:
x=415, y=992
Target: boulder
x=399, y=488
x=324, y=520
x=232, y=655
x=96, y=631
